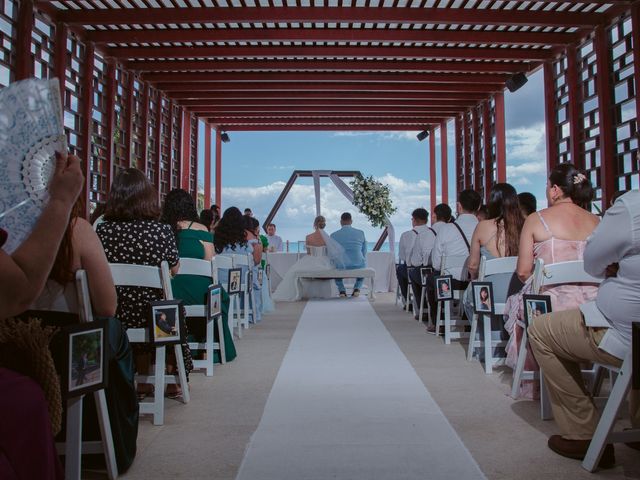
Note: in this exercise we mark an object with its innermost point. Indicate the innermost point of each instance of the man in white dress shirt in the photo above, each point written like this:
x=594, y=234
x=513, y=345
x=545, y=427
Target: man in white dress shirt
x=275, y=242
x=454, y=240
x=598, y=332
x=415, y=250
x=441, y=216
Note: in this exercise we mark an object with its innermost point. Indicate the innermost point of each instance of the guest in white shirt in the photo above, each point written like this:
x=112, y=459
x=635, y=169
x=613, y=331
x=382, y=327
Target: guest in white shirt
x=415, y=250
x=275, y=242
x=441, y=216
x=453, y=241
x=598, y=332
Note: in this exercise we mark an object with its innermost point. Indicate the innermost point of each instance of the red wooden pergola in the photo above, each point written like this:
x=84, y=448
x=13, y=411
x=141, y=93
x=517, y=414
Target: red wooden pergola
x=138, y=76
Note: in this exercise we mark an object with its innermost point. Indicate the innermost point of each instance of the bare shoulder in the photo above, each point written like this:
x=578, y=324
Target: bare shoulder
x=82, y=229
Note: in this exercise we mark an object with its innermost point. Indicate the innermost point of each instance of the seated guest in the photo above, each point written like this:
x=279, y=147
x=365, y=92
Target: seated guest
x=561, y=341
x=252, y=234
x=528, y=203
x=215, y=209
x=26, y=438
x=275, y=242
x=230, y=238
x=555, y=234
x=131, y=233
x=248, y=212
x=496, y=237
x=453, y=240
x=441, y=216
x=206, y=218
x=194, y=241
x=415, y=252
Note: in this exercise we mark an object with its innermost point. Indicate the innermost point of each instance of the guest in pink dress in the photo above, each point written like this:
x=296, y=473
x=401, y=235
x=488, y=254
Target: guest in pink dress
x=555, y=234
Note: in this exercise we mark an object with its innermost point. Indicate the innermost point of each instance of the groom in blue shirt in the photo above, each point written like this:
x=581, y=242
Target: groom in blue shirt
x=355, y=246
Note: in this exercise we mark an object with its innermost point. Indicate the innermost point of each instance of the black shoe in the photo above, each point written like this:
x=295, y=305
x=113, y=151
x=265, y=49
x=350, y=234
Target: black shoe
x=356, y=292
x=578, y=449
x=410, y=308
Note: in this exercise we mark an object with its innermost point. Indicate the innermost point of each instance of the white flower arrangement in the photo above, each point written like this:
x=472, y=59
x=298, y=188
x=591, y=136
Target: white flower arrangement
x=372, y=199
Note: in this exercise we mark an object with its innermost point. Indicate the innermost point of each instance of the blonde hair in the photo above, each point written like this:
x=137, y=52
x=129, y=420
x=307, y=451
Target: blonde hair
x=320, y=222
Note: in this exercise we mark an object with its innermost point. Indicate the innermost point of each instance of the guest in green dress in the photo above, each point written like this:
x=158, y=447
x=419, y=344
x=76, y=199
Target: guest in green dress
x=194, y=241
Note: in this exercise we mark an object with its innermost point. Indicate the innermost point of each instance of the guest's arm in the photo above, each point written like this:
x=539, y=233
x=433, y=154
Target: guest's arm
x=609, y=242
x=524, y=268
x=25, y=272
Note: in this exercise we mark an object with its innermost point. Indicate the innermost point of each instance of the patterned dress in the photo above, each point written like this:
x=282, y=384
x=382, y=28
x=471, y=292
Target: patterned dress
x=139, y=242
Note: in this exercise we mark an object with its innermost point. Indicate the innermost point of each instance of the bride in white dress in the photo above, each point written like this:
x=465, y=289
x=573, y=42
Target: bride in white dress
x=323, y=253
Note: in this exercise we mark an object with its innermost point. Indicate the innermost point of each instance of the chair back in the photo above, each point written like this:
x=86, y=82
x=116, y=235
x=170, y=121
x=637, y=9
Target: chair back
x=224, y=262
x=195, y=266
x=84, y=299
x=126, y=275
x=452, y=262
x=496, y=266
x=241, y=260
x=560, y=273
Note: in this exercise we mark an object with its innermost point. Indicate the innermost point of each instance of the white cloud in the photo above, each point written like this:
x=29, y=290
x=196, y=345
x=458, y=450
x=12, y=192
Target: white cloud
x=406, y=135
x=526, y=155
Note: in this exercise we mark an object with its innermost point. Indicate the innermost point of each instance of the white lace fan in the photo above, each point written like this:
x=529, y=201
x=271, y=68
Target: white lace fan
x=31, y=131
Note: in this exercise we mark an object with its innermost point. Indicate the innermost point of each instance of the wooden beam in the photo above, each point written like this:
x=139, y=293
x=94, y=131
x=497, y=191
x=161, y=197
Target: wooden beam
x=635, y=33
x=144, y=116
x=86, y=108
x=477, y=157
x=501, y=139
x=444, y=164
x=324, y=128
x=488, y=149
x=433, y=189
x=550, y=115
x=468, y=181
x=185, y=153
x=459, y=155
x=128, y=122
x=219, y=170
x=157, y=157
x=24, y=28
x=110, y=101
x=291, y=103
x=324, y=119
x=297, y=110
x=574, y=107
x=306, y=95
x=60, y=55
x=207, y=165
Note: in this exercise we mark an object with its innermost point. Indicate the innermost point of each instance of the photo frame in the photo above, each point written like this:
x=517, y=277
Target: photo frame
x=260, y=276
x=535, y=305
x=424, y=275
x=166, y=322
x=267, y=270
x=249, y=280
x=234, y=284
x=483, y=298
x=444, y=287
x=214, y=301
x=85, y=367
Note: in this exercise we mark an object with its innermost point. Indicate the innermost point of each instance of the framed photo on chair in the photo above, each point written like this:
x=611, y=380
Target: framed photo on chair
x=86, y=363
x=424, y=275
x=534, y=306
x=260, y=276
x=214, y=301
x=166, y=322
x=444, y=288
x=483, y=298
x=235, y=281
x=249, y=280
x=267, y=270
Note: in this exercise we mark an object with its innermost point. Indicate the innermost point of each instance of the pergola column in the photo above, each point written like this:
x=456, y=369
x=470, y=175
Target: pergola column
x=432, y=169
x=488, y=150
x=24, y=29
x=635, y=29
x=60, y=56
x=128, y=122
x=110, y=121
x=501, y=141
x=477, y=160
x=207, y=165
x=467, y=151
x=550, y=115
x=218, y=169
x=459, y=156
x=86, y=119
x=444, y=172
x=157, y=158
x=185, y=153
x=605, y=100
x=144, y=147
x=574, y=107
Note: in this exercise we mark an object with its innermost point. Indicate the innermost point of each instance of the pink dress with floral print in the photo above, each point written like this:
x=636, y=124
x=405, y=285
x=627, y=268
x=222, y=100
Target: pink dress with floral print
x=563, y=297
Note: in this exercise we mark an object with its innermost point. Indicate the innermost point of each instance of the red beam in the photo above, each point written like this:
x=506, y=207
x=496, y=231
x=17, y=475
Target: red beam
x=501, y=141
x=415, y=123
x=459, y=155
x=368, y=77
x=60, y=57
x=218, y=170
x=445, y=16
x=24, y=28
x=144, y=151
x=185, y=154
x=194, y=165
x=381, y=96
x=608, y=169
x=635, y=33
x=488, y=151
x=327, y=65
x=110, y=118
x=444, y=164
x=86, y=108
x=574, y=107
x=468, y=182
x=324, y=118
x=207, y=165
x=287, y=103
x=157, y=158
x=432, y=170
x=316, y=127
x=128, y=122
x=173, y=142
x=329, y=35
x=464, y=53
x=477, y=159
x=329, y=110
x=550, y=115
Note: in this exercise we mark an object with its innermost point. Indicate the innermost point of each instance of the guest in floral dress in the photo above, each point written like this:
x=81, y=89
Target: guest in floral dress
x=131, y=233
x=555, y=234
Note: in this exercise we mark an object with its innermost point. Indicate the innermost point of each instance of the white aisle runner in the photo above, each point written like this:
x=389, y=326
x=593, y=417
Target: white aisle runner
x=347, y=405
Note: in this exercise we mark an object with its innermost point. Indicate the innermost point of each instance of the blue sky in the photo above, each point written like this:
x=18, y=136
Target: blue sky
x=256, y=165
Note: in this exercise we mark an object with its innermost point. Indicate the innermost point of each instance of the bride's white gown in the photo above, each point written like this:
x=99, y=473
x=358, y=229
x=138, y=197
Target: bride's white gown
x=316, y=260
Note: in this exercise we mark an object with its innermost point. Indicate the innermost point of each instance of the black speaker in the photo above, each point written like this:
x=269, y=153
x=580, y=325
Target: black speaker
x=516, y=82
x=224, y=136
x=422, y=135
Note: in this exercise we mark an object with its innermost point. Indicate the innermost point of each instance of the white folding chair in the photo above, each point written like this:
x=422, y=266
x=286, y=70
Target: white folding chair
x=494, y=266
x=247, y=307
x=74, y=447
x=225, y=262
x=125, y=275
x=544, y=276
x=448, y=265
x=204, y=268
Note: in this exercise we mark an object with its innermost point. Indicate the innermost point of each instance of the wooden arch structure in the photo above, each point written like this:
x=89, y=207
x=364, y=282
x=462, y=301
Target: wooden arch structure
x=138, y=76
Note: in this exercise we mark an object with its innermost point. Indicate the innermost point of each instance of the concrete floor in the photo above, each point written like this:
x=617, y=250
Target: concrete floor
x=206, y=439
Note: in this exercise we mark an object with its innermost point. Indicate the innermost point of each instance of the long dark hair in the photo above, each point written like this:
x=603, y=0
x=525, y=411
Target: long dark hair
x=178, y=206
x=574, y=183
x=230, y=230
x=504, y=209
x=132, y=197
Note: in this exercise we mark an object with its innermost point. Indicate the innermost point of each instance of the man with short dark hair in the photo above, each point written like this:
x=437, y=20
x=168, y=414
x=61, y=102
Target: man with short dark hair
x=355, y=247
x=528, y=203
x=275, y=242
x=248, y=212
x=441, y=216
x=414, y=252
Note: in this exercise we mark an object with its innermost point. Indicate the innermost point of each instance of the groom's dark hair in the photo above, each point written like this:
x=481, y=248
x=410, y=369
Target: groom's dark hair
x=420, y=214
x=345, y=217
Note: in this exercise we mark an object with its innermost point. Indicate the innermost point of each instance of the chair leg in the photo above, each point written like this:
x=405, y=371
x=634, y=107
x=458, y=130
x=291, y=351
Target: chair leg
x=608, y=417
x=209, y=348
x=182, y=374
x=446, y=306
x=472, y=338
x=73, y=447
x=488, y=345
x=421, y=311
x=106, y=435
x=223, y=352
x=238, y=320
x=158, y=399
x=522, y=356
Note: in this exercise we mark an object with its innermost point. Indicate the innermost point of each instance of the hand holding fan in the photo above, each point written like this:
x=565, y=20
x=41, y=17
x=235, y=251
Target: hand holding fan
x=31, y=131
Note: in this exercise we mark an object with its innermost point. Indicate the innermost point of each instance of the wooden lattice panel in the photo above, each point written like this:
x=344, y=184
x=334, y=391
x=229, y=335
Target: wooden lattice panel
x=73, y=94
x=99, y=163
x=165, y=147
x=138, y=126
x=151, y=126
x=42, y=47
x=459, y=149
x=193, y=175
x=121, y=118
x=561, y=97
x=624, y=108
x=176, y=139
x=493, y=165
x=8, y=13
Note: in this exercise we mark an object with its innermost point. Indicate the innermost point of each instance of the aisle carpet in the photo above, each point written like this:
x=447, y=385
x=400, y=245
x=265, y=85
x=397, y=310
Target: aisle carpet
x=346, y=404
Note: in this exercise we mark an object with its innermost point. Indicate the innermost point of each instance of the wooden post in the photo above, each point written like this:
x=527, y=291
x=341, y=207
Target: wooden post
x=432, y=168
x=85, y=127
x=501, y=142
x=468, y=181
x=444, y=164
x=110, y=117
x=194, y=164
x=157, y=158
x=60, y=57
x=185, y=154
x=128, y=121
x=218, y=170
x=144, y=150
x=550, y=115
x=459, y=156
x=574, y=107
x=24, y=29
x=488, y=150
x=207, y=165
x=477, y=157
